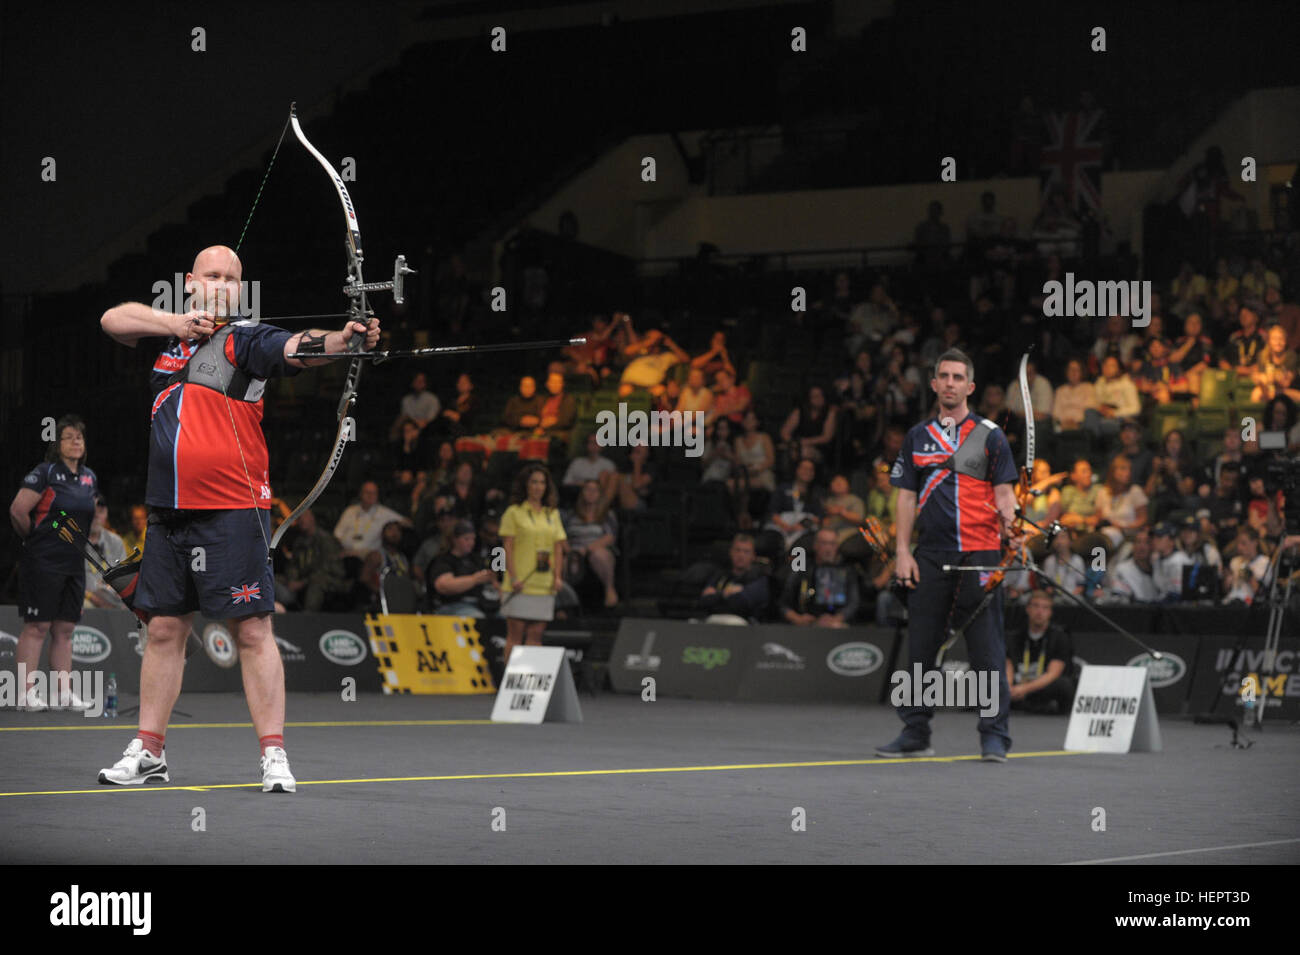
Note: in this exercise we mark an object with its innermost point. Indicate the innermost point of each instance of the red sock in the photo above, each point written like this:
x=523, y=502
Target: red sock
x=152, y=742
x=270, y=741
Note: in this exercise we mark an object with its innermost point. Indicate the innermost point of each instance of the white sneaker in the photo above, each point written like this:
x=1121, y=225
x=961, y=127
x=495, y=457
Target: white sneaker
x=70, y=701
x=276, y=777
x=136, y=767
x=31, y=702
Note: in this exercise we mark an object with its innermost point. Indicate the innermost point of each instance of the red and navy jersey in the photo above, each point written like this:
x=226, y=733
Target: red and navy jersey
x=954, y=511
x=60, y=490
x=195, y=459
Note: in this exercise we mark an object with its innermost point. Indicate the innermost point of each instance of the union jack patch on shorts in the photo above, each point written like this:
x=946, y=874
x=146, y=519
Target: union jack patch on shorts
x=246, y=593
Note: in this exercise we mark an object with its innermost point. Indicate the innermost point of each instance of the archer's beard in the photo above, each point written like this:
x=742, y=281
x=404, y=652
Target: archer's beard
x=956, y=403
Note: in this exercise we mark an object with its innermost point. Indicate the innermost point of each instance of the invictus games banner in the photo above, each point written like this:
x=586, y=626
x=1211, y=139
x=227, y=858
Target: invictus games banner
x=1244, y=678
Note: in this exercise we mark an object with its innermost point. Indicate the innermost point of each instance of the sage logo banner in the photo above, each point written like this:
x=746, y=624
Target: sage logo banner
x=1166, y=671
x=343, y=647
x=761, y=662
x=707, y=657
x=90, y=645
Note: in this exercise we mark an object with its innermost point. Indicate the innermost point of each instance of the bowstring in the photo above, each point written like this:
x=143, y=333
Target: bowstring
x=225, y=393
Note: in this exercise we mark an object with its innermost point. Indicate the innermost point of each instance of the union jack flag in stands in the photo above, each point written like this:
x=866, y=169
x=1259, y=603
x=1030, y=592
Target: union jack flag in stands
x=1072, y=157
x=246, y=593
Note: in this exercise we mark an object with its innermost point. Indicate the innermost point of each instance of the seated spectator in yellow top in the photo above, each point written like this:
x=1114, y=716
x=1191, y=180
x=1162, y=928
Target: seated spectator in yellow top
x=653, y=354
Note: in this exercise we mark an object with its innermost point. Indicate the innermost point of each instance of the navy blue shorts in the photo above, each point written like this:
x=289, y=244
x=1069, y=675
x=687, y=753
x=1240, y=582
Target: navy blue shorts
x=47, y=594
x=234, y=578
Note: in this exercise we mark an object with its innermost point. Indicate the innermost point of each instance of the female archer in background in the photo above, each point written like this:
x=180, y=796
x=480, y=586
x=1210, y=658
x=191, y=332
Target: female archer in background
x=52, y=575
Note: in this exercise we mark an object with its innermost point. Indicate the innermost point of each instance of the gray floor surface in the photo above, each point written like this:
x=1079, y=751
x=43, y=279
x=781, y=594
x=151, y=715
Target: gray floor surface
x=362, y=798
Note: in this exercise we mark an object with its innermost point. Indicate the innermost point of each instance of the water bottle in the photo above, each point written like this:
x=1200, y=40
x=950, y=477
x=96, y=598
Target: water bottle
x=110, y=704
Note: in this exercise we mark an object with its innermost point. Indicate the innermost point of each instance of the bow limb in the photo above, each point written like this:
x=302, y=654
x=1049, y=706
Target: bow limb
x=358, y=311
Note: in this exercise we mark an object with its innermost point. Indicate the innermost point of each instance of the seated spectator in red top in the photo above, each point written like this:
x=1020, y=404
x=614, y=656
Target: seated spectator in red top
x=715, y=359
x=594, y=358
x=730, y=400
x=559, y=410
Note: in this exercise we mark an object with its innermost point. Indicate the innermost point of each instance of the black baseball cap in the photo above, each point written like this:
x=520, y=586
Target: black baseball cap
x=1165, y=529
x=462, y=527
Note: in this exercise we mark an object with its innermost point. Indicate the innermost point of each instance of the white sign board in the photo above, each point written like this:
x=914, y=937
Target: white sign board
x=537, y=686
x=1113, y=712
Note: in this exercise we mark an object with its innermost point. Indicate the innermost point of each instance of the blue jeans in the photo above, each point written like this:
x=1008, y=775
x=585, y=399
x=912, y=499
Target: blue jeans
x=944, y=599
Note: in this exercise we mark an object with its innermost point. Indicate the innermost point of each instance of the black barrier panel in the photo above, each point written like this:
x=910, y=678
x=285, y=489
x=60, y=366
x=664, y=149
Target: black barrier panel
x=1138, y=620
x=319, y=651
x=768, y=662
x=1220, y=672
x=1171, y=676
x=11, y=624
x=697, y=660
x=1201, y=619
x=791, y=664
x=103, y=641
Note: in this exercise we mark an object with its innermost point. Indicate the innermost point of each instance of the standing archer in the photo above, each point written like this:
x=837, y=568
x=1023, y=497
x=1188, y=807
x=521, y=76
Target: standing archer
x=956, y=482
x=209, y=497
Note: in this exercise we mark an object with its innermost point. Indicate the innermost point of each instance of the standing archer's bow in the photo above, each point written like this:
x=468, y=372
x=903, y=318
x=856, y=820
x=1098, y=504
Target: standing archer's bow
x=359, y=311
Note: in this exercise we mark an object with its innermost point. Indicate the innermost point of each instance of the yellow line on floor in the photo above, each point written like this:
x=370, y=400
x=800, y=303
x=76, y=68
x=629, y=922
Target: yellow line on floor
x=726, y=768
x=127, y=727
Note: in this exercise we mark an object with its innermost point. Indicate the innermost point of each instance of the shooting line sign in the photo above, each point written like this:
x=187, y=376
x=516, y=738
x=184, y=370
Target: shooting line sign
x=1113, y=712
